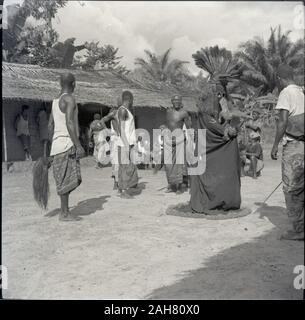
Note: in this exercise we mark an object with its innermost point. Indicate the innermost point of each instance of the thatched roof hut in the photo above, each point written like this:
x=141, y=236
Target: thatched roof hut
x=96, y=91
x=41, y=84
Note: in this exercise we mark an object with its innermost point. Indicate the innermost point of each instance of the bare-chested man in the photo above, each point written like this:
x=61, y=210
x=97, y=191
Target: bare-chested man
x=176, y=172
x=66, y=149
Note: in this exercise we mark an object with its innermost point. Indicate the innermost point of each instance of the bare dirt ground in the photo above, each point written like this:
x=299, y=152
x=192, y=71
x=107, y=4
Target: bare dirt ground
x=130, y=249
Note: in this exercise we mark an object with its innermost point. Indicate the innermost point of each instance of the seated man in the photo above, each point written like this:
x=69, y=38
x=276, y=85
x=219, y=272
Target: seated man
x=253, y=160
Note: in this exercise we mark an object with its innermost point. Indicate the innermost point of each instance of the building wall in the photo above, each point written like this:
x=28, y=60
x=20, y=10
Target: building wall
x=149, y=119
x=15, y=151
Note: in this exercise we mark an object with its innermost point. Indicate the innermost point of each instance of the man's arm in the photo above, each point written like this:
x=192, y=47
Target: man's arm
x=51, y=127
x=90, y=132
x=280, y=131
x=70, y=109
x=107, y=118
x=187, y=120
x=16, y=121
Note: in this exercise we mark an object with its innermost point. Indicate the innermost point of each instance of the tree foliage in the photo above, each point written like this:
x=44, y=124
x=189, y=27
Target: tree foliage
x=36, y=47
x=43, y=9
x=32, y=44
x=261, y=59
x=161, y=68
x=219, y=63
x=100, y=57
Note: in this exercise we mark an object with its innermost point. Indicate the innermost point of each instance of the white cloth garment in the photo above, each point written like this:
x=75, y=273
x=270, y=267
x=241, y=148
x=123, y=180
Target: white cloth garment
x=291, y=98
x=61, y=141
x=130, y=131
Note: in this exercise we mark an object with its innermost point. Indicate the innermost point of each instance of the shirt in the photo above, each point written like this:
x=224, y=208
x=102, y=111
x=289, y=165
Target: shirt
x=291, y=98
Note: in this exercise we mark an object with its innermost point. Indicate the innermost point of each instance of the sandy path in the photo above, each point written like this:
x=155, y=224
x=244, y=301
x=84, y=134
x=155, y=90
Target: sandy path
x=129, y=249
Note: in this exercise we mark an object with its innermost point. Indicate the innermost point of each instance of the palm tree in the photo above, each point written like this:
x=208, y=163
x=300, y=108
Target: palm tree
x=261, y=59
x=160, y=68
x=219, y=63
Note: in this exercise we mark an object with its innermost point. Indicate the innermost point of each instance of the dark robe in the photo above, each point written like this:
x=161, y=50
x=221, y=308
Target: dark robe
x=218, y=188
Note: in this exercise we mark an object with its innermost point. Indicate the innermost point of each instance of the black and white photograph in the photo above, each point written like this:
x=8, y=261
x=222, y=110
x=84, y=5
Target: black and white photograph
x=152, y=150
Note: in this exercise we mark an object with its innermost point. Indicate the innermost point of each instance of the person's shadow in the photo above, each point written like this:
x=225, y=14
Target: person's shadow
x=138, y=190
x=277, y=215
x=85, y=207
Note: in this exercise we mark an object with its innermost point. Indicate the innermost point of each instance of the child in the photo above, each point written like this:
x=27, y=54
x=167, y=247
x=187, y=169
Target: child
x=254, y=154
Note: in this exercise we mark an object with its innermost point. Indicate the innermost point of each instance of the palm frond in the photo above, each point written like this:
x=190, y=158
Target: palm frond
x=165, y=58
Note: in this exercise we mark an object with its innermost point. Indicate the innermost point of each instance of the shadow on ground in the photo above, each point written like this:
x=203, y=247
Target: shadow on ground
x=84, y=208
x=138, y=190
x=260, y=269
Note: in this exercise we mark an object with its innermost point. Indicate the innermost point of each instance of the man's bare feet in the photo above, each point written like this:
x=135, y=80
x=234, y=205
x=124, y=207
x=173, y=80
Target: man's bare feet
x=291, y=235
x=169, y=189
x=125, y=195
x=68, y=217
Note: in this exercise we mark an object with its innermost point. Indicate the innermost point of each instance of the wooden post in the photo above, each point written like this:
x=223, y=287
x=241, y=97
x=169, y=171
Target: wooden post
x=4, y=136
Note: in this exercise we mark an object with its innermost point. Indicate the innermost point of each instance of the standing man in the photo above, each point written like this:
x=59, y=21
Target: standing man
x=96, y=126
x=23, y=131
x=112, y=116
x=290, y=128
x=128, y=175
x=176, y=172
x=42, y=121
x=66, y=149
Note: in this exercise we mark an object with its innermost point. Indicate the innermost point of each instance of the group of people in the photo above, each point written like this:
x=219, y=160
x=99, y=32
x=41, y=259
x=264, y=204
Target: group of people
x=22, y=127
x=215, y=189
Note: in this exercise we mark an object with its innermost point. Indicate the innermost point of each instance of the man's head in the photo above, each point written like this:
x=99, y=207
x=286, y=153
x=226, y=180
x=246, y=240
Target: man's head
x=285, y=75
x=97, y=116
x=162, y=127
x=67, y=81
x=127, y=99
x=177, y=102
x=25, y=110
x=254, y=137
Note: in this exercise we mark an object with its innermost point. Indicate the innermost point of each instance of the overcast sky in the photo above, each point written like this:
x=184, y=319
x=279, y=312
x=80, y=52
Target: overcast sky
x=183, y=26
